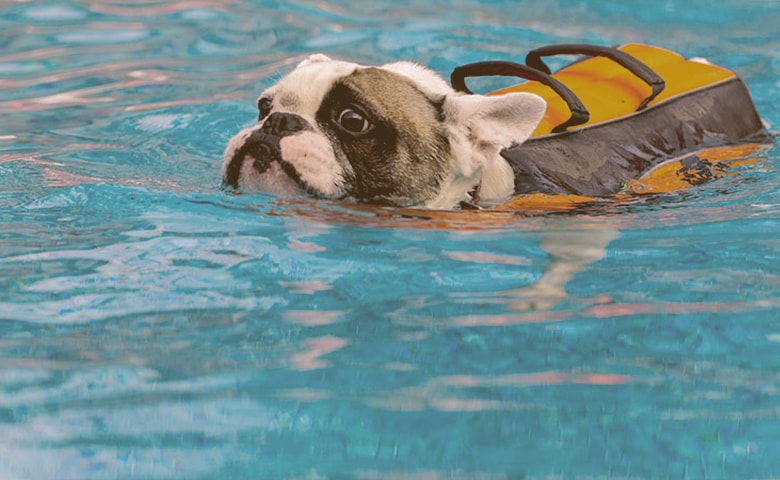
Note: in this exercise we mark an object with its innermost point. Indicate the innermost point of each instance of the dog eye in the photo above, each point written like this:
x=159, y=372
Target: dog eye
x=264, y=106
x=354, y=122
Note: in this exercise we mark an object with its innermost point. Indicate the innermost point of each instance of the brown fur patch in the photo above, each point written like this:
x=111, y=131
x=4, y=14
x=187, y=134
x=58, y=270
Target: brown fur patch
x=402, y=159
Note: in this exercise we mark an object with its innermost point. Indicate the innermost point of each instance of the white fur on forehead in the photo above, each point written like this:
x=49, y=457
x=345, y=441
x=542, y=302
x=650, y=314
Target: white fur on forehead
x=309, y=82
x=426, y=79
x=319, y=61
x=315, y=58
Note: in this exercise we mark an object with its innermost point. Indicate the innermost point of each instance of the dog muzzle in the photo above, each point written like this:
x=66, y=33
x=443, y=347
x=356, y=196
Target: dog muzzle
x=263, y=147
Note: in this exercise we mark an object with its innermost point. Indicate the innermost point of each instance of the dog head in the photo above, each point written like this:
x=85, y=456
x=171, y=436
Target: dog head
x=395, y=134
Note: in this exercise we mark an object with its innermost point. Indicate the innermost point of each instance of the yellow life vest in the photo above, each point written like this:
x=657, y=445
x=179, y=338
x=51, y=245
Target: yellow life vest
x=628, y=119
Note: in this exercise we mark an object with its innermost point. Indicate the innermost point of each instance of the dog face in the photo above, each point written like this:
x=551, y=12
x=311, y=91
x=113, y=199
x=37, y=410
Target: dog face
x=395, y=135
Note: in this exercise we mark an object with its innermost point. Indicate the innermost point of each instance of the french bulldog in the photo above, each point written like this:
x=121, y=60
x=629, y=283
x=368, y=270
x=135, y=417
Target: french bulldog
x=396, y=135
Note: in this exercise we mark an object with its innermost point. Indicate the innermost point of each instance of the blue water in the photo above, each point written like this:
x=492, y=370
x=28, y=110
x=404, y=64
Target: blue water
x=154, y=327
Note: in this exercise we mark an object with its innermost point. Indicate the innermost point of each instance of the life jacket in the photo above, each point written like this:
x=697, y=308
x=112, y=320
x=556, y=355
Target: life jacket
x=628, y=119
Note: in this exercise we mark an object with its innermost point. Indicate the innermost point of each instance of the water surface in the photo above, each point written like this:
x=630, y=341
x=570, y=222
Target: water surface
x=152, y=326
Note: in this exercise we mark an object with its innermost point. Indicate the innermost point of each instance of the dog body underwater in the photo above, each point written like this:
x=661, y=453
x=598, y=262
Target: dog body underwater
x=394, y=135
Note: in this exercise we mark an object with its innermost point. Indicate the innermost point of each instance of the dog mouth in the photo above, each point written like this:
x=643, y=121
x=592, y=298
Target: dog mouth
x=266, y=154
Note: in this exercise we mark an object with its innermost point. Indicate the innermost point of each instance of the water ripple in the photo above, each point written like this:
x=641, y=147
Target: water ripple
x=152, y=326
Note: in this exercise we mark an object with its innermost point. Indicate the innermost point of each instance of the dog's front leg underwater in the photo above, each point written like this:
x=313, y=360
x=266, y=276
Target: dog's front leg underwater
x=571, y=252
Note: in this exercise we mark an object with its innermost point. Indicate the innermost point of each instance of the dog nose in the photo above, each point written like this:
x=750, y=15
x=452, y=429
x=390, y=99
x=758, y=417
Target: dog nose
x=282, y=123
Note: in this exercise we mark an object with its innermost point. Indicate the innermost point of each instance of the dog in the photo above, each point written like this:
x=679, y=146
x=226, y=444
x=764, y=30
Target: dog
x=395, y=135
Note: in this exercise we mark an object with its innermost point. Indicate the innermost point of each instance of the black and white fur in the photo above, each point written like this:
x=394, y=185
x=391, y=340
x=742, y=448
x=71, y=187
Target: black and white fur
x=394, y=135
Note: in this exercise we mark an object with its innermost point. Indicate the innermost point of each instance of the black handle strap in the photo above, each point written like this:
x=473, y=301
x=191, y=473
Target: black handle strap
x=632, y=64
x=579, y=114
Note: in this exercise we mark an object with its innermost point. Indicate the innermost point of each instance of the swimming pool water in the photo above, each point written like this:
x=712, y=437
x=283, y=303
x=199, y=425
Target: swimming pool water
x=154, y=327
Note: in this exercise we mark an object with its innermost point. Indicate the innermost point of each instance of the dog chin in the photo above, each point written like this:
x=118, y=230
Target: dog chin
x=273, y=181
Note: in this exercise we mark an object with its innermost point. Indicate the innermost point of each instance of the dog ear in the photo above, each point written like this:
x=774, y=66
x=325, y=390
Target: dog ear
x=495, y=122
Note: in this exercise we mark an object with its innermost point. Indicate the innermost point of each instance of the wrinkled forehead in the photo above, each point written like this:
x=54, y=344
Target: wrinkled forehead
x=303, y=89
